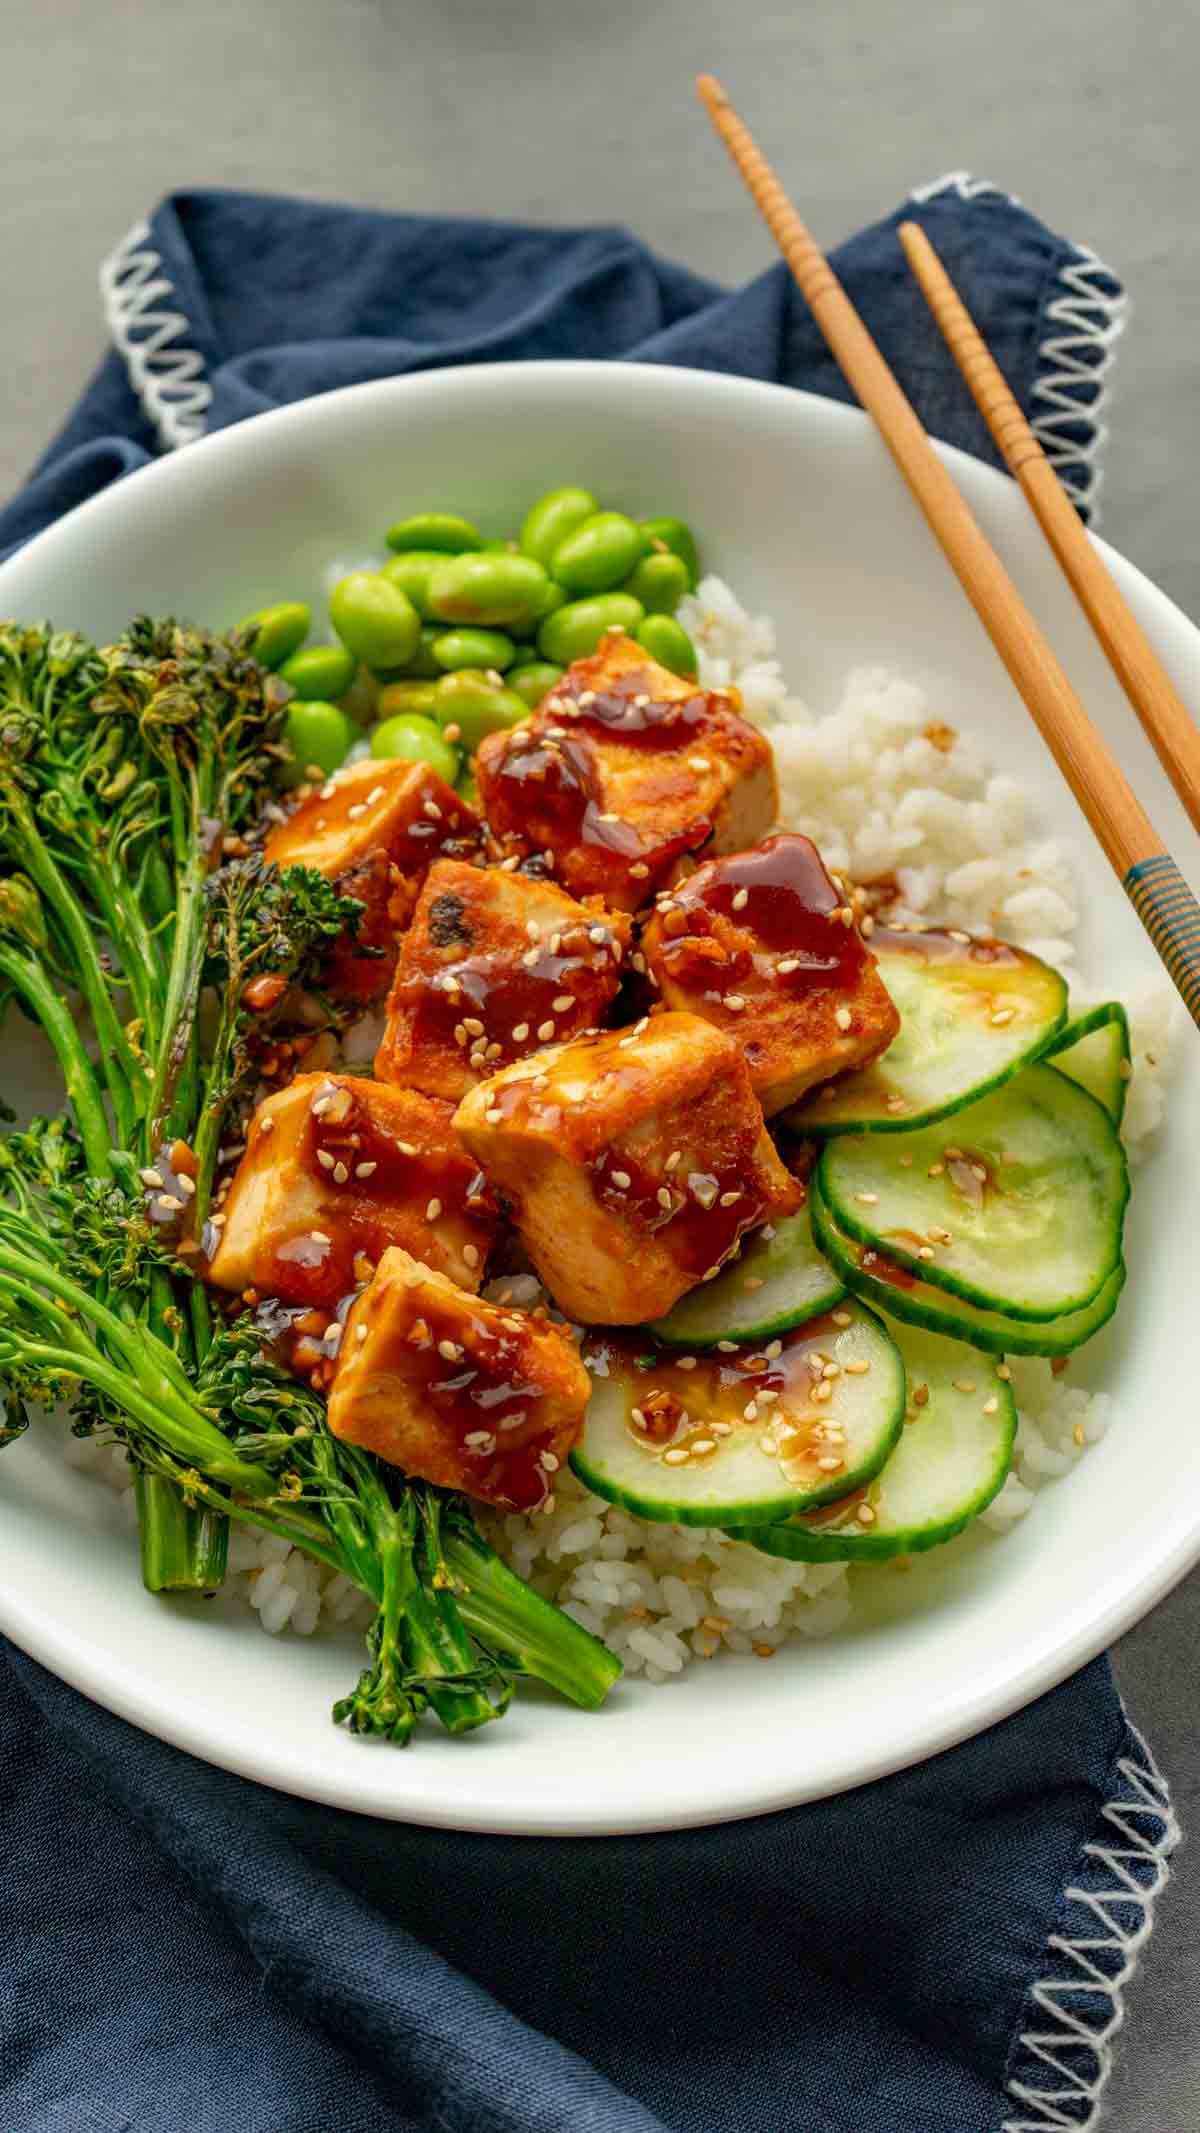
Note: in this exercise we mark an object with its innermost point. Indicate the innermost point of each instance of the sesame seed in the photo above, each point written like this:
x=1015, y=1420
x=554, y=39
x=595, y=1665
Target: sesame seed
x=545, y=1032
x=787, y=964
x=266, y=1125
x=685, y=1362
x=843, y=1017
x=1003, y=1371
x=493, y=1114
x=678, y=1456
x=896, y=1103
x=320, y=1104
x=327, y=791
x=548, y=1461
x=936, y=1170
x=377, y=792
x=727, y=1199
x=480, y=1440
x=925, y=1252
x=406, y=1147
x=710, y=1273
x=703, y=1188
x=562, y=1001
x=992, y=1406
x=520, y=1032
x=470, y=1254
x=867, y=1199
x=548, y=1506
x=824, y=1391
x=187, y=1186
x=621, y=1179
x=353, y=813
x=218, y=1222
x=735, y=1001
x=868, y=924
x=319, y=1236
x=151, y=1177
x=831, y=1370
x=750, y=1411
x=449, y=1351
x=741, y=899
x=842, y=1318
x=964, y=1384
x=727, y=1347
x=699, y=762
x=866, y=1516
x=1000, y=1015
x=433, y=1210
x=858, y=1368
x=703, y=1445
x=360, y=1333
x=555, y=943
x=676, y=1156
x=171, y=1201
x=829, y=1462
x=639, y=870
x=340, y=1173
x=473, y=1025
x=664, y=1197
x=365, y=1170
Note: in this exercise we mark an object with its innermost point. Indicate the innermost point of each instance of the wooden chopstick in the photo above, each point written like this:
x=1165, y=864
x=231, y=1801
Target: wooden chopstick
x=1141, y=673
x=1162, y=899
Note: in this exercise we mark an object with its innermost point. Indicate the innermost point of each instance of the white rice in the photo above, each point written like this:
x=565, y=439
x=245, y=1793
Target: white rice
x=870, y=784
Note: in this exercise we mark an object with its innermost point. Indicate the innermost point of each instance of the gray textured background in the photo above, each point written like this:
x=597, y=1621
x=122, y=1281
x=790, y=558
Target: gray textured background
x=558, y=111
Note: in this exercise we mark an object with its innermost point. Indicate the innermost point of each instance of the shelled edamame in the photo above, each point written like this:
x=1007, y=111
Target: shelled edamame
x=459, y=634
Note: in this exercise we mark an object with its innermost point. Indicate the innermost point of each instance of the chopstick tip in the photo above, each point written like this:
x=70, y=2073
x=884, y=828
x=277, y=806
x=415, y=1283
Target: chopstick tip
x=710, y=92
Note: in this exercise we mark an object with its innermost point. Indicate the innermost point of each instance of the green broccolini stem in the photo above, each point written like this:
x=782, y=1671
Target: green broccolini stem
x=507, y=1616
x=184, y=1547
x=83, y=1093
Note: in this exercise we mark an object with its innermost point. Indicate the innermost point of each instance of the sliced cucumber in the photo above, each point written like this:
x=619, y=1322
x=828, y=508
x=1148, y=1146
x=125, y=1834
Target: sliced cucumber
x=952, y=1457
x=778, y=1282
x=893, y=1289
x=692, y=1439
x=1018, y=1205
x=972, y=1013
x=1094, y=1051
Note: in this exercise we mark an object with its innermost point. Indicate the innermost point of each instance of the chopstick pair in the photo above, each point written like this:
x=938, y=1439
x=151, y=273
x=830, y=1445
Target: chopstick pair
x=1149, y=876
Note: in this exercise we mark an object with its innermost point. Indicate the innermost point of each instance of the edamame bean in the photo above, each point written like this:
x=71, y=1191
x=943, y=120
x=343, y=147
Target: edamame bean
x=416, y=740
x=411, y=573
x=399, y=697
x=443, y=530
x=576, y=630
x=319, y=673
x=671, y=535
x=317, y=736
x=374, y=619
x=667, y=641
x=473, y=648
x=599, y=554
x=533, y=681
x=552, y=518
x=476, y=705
x=659, y=582
x=278, y=631
x=487, y=588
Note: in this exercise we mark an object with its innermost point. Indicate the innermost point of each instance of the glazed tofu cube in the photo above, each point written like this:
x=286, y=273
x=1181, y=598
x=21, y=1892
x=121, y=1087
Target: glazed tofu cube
x=762, y=945
x=373, y=830
x=335, y=1171
x=633, y=1163
x=493, y=966
x=621, y=772
x=464, y=1393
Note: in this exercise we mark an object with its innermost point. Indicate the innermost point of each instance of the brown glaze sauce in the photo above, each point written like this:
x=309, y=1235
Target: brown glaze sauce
x=488, y=1395
x=506, y=993
x=881, y=1269
x=775, y=900
x=721, y=1387
x=699, y=1231
x=550, y=794
x=937, y=946
x=317, y=1265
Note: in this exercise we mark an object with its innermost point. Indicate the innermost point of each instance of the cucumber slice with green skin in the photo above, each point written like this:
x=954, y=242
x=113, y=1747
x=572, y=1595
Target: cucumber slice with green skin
x=709, y=1450
x=778, y=1282
x=952, y=1457
x=901, y=1294
x=1017, y=1205
x=1094, y=1051
x=972, y=1014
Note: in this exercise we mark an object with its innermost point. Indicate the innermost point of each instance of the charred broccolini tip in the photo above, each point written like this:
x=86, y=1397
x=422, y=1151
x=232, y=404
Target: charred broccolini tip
x=126, y=776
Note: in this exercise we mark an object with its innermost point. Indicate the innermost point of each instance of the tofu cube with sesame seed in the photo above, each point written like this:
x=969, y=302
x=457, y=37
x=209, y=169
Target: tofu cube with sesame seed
x=336, y=1169
x=493, y=967
x=373, y=830
x=468, y=1394
x=632, y=1163
x=763, y=945
x=622, y=771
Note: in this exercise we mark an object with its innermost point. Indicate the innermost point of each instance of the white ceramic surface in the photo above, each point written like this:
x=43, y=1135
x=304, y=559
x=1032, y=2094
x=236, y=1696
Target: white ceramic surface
x=798, y=505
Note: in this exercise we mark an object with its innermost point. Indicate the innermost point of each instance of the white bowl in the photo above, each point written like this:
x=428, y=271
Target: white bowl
x=800, y=508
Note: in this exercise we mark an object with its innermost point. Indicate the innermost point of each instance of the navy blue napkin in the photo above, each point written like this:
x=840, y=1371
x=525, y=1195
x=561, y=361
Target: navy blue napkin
x=187, y=1953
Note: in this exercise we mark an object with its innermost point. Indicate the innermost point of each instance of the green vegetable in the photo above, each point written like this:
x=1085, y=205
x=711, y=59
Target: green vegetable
x=278, y=631
x=318, y=737
x=667, y=641
x=473, y=648
x=423, y=665
x=123, y=773
x=574, y=631
x=533, y=681
x=659, y=582
x=791, y=1282
x=411, y=572
x=398, y=696
x=1094, y=1051
x=671, y=536
x=554, y=516
x=435, y=529
x=477, y=706
x=599, y=554
x=972, y=1014
x=321, y=673
x=487, y=589
x=416, y=740
x=374, y=619
x=949, y=1462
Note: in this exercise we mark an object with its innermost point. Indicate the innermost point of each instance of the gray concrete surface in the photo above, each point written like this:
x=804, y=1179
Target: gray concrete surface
x=559, y=111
